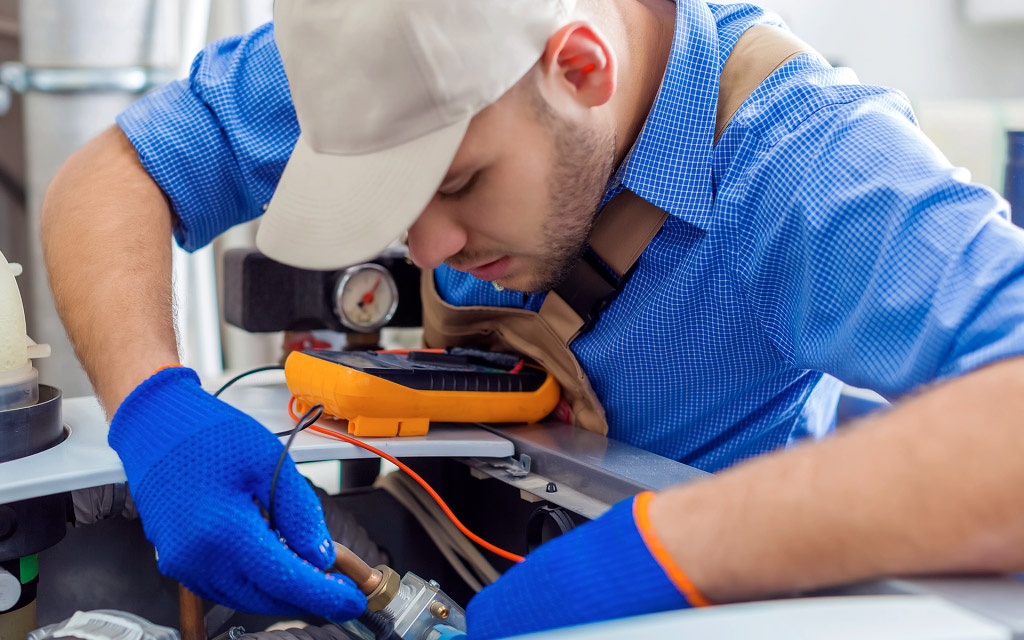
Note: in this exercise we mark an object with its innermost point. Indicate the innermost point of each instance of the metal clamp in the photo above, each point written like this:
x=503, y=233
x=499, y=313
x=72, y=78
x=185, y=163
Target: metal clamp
x=513, y=467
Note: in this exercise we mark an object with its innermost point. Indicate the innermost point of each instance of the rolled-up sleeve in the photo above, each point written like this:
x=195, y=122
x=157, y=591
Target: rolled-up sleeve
x=873, y=259
x=217, y=141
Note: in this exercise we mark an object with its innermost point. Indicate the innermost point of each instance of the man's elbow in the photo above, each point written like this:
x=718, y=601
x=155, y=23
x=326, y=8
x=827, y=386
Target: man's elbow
x=102, y=186
x=73, y=179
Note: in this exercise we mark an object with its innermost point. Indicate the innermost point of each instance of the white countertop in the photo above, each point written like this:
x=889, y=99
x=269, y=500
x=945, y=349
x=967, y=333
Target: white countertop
x=84, y=459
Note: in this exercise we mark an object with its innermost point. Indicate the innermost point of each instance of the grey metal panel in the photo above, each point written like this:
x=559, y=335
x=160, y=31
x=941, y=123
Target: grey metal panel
x=601, y=468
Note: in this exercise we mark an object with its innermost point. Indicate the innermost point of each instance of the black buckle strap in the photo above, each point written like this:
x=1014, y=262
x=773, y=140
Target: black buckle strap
x=590, y=287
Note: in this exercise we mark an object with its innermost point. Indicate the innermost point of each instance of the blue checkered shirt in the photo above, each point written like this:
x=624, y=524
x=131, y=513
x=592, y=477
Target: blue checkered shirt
x=823, y=238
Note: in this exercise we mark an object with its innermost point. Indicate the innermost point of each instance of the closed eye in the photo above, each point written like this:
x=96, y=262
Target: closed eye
x=462, y=191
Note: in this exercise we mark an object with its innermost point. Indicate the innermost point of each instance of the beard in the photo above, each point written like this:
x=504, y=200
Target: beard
x=583, y=162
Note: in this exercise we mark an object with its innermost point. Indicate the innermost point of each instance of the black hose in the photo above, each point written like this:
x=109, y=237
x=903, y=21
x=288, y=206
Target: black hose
x=375, y=623
x=103, y=503
x=379, y=625
x=346, y=530
x=329, y=632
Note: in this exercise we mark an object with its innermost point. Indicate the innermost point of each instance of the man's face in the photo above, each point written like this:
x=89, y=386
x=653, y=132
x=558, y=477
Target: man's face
x=520, y=198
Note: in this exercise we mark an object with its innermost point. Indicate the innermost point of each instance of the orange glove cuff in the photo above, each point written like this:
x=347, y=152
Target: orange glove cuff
x=643, y=523
x=166, y=366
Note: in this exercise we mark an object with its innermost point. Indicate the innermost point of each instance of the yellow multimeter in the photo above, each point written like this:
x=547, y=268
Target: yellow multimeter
x=399, y=393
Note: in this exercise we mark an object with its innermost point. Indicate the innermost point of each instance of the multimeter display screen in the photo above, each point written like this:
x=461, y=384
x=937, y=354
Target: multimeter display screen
x=434, y=371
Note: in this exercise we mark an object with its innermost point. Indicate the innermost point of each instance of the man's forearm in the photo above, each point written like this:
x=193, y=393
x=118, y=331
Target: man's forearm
x=106, y=231
x=933, y=485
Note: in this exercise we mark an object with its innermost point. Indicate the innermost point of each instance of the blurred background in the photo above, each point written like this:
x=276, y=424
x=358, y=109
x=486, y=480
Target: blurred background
x=71, y=65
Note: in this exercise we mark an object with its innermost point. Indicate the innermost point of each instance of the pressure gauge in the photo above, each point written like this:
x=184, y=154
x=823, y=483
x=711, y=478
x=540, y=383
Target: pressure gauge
x=366, y=297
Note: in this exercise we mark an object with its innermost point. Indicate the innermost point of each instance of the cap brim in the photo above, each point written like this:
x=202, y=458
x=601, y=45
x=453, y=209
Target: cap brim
x=332, y=211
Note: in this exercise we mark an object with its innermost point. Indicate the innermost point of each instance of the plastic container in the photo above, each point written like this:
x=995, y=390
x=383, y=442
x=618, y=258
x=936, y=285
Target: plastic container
x=105, y=623
x=19, y=387
x=19, y=381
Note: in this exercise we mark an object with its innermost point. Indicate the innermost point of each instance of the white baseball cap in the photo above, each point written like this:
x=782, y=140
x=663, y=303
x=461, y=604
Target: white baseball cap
x=384, y=91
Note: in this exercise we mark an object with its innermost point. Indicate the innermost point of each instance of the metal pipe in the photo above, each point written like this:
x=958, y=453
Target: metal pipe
x=380, y=584
x=126, y=79
x=190, y=615
x=351, y=565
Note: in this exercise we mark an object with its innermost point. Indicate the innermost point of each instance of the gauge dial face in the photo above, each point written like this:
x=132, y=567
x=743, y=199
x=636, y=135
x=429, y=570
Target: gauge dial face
x=366, y=297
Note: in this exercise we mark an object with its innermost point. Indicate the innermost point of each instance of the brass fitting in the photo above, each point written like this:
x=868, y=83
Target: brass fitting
x=379, y=585
x=439, y=610
x=386, y=590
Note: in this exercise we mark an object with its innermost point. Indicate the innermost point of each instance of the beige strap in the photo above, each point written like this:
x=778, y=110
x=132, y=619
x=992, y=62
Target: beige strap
x=562, y=319
x=625, y=227
x=757, y=54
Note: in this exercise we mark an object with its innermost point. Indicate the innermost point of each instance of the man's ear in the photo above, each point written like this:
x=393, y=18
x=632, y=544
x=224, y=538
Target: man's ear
x=578, y=63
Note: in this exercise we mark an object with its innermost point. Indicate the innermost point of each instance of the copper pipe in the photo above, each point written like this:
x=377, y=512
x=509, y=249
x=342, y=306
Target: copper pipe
x=190, y=612
x=351, y=565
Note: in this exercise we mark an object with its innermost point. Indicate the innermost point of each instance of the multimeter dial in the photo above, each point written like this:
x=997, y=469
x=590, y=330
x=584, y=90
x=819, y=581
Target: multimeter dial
x=366, y=297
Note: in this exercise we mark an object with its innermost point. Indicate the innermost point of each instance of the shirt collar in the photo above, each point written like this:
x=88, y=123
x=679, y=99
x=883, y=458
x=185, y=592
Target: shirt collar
x=670, y=162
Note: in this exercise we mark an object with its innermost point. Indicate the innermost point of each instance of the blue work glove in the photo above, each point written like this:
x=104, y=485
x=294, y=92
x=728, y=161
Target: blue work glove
x=196, y=467
x=601, y=570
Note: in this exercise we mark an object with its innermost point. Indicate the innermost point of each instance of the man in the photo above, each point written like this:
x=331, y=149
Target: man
x=820, y=237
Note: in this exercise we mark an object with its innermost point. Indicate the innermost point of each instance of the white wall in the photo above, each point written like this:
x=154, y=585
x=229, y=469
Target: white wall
x=926, y=48
x=964, y=75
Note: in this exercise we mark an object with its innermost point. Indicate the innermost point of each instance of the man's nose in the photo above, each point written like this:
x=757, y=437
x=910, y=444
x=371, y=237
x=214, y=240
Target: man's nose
x=435, y=236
